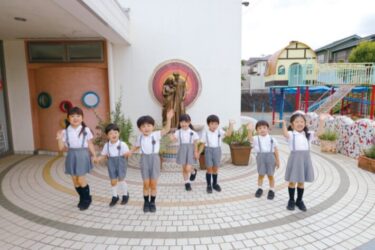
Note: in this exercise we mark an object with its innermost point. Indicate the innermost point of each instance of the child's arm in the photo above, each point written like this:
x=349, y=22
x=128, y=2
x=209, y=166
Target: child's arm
x=167, y=126
x=230, y=128
x=134, y=149
x=250, y=130
x=99, y=159
x=285, y=129
x=322, y=118
x=59, y=138
x=92, y=150
x=277, y=159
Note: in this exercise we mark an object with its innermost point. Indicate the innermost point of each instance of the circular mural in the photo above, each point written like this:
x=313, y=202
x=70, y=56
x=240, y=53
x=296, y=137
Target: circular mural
x=187, y=73
x=44, y=100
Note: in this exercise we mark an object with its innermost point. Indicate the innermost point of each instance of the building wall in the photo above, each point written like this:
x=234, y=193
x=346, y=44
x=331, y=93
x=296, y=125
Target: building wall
x=18, y=94
x=206, y=34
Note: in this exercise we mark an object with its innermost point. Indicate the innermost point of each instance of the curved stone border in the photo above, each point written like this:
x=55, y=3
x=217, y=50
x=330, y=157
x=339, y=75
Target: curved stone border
x=335, y=197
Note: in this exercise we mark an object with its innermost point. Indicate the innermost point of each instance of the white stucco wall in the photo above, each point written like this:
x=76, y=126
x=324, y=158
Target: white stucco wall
x=206, y=34
x=18, y=94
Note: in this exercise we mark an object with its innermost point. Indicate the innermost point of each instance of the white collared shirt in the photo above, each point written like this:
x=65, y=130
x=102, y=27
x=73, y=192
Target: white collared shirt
x=186, y=134
x=146, y=145
x=114, y=148
x=75, y=139
x=265, y=143
x=301, y=142
x=213, y=139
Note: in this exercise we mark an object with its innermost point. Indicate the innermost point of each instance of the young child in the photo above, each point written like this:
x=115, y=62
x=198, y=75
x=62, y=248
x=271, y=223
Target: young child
x=212, y=137
x=117, y=152
x=77, y=138
x=188, y=150
x=299, y=168
x=149, y=144
x=267, y=156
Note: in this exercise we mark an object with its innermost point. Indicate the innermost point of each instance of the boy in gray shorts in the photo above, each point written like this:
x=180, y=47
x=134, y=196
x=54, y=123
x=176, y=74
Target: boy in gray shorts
x=149, y=144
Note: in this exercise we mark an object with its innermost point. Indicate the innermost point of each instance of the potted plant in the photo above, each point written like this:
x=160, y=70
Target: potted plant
x=328, y=141
x=366, y=161
x=240, y=146
x=202, y=159
x=168, y=149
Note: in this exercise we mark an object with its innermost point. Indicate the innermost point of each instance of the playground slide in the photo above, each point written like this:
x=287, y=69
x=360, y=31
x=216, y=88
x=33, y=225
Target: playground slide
x=316, y=105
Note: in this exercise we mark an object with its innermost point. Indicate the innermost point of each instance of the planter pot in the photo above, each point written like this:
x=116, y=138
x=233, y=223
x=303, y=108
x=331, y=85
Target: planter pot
x=170, y=152
x=328, y=146
x=366, y=163
x=202, y=162
x=240, y=155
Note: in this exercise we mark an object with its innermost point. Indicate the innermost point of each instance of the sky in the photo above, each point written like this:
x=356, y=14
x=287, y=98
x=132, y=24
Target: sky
x=269, y=25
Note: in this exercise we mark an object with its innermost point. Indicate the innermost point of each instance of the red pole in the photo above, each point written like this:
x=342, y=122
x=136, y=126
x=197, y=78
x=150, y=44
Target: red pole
x=372, y=102
x=306, y=99
x=273, y=105
x=298, y=97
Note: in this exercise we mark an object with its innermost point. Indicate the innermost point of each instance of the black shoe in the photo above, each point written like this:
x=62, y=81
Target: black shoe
x=301, y=206
x=125, y=199
x=79, y=191
x=146, y=207
x=86, y=198
x=187, y=187
x=259, y=193
x=85, y=204
x=271, y=195
x=114, y=201
x=209, y=189
x=291, y=205
x=152, y=207
x=192, y=176
x=217, y=187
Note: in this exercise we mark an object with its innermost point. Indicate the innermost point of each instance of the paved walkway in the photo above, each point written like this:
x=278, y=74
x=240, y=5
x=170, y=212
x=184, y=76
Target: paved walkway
x=38, y=209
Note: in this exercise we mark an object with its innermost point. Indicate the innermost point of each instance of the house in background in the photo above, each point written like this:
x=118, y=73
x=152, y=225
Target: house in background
x=253, y=73
x=339, y=51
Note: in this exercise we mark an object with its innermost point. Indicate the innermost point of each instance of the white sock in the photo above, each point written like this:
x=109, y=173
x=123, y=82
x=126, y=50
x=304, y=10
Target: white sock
x=114, y=191
x=124, y=187
x=187, y=181
x=272, y=189
x=260, y=187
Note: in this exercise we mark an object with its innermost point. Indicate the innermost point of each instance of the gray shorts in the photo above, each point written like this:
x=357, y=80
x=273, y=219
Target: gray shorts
x=266, y=163
x=117, y=167
x=78, y=162
x=150, y=166
x=212, y=156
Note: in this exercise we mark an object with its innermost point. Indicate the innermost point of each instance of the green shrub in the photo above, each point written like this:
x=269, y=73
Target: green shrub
x=329, y=135
x=239, y=137
x=370, y=153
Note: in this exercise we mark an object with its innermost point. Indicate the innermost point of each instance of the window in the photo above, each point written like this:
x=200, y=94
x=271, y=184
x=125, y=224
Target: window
x=309, y=69
x=281, y=70
x=90, y=51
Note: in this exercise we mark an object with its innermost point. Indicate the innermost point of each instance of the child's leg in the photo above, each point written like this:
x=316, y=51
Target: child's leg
x=123, y=186
x=299, y=201
x=114, y=187
x=81, y=180
x=75, y=181
x=208, y=179
x=78, y=189
x=153, y=185
x=86, y=197
x=186, y=172
x=271, y=180
x=146, y=187
x=291, y=190
x=259, y=191
x=215, y=173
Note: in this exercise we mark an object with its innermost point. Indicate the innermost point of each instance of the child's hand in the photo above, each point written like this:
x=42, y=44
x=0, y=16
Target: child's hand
x=324, y=116
x=250, y=127
x=59, y=135
x=231, y=122
x=95, y=159
x=280, y=121
x=170, y=114
x=277, y=164
x=196, y=154
x=128, y=154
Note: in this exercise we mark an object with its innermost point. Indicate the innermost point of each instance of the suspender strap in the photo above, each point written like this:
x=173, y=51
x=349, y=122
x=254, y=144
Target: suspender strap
x=67, y=137
x=271, y=145
x=140, y=143
x=191, y=137
x=218, y=138
x=260, y=146
x=109, y=153
x=83, y=139
x=294, y=142
x=208, y=142
x=179, y=135
x=153, y=144
x=119, y=148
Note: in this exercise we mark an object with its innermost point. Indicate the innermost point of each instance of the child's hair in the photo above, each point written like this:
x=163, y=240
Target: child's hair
x=261, y=123
x=110, y=127
x=295, y=116
x=146, y=119
x=212, y=118
x=75, y=111
x=185, y=118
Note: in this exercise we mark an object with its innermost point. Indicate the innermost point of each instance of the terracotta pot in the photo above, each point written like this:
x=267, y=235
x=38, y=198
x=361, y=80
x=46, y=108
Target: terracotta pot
x=366, y=163
x=202, y=162
x=328, y=146
x=240, y=155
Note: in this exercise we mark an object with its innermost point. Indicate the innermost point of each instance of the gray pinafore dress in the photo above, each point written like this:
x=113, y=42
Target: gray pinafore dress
x=117, y=165
x=185, y=154
x=78, y=160
x=265, y=161
x=212, y=155
x=150, y=163
x=299, y=167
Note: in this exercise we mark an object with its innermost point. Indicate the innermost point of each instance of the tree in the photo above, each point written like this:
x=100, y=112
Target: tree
x=364, y=52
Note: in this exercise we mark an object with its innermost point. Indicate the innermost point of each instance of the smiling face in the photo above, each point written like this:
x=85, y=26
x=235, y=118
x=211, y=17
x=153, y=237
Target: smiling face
x=146, y=128
x=113, y=136
x=262, y=130
x=184, y=124
x=212, y=126
x=75, y=120
x=298, y=123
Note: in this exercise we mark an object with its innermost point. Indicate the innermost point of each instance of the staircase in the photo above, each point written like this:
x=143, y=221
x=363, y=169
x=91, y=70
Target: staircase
x=332, y=100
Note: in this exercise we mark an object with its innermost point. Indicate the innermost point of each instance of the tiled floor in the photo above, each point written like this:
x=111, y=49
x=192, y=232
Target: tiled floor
x=38, y=209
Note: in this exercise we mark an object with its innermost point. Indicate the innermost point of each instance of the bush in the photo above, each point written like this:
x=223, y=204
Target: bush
x=370, y=153
x=328, y=136
x=118, y=118
x=239, y=137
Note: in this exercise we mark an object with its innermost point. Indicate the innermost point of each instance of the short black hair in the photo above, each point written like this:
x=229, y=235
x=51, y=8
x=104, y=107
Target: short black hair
x=212, y=118
x=262, y=123
x=146, y=119
x=110, y=127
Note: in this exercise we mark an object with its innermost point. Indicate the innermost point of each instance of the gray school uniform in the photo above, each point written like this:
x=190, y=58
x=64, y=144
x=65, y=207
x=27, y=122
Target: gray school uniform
x=212, y=155
x=185, y=154
x=78, y=160
x=299, y=167
x=266, y=161
x=150, y=163
x=117, y=165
